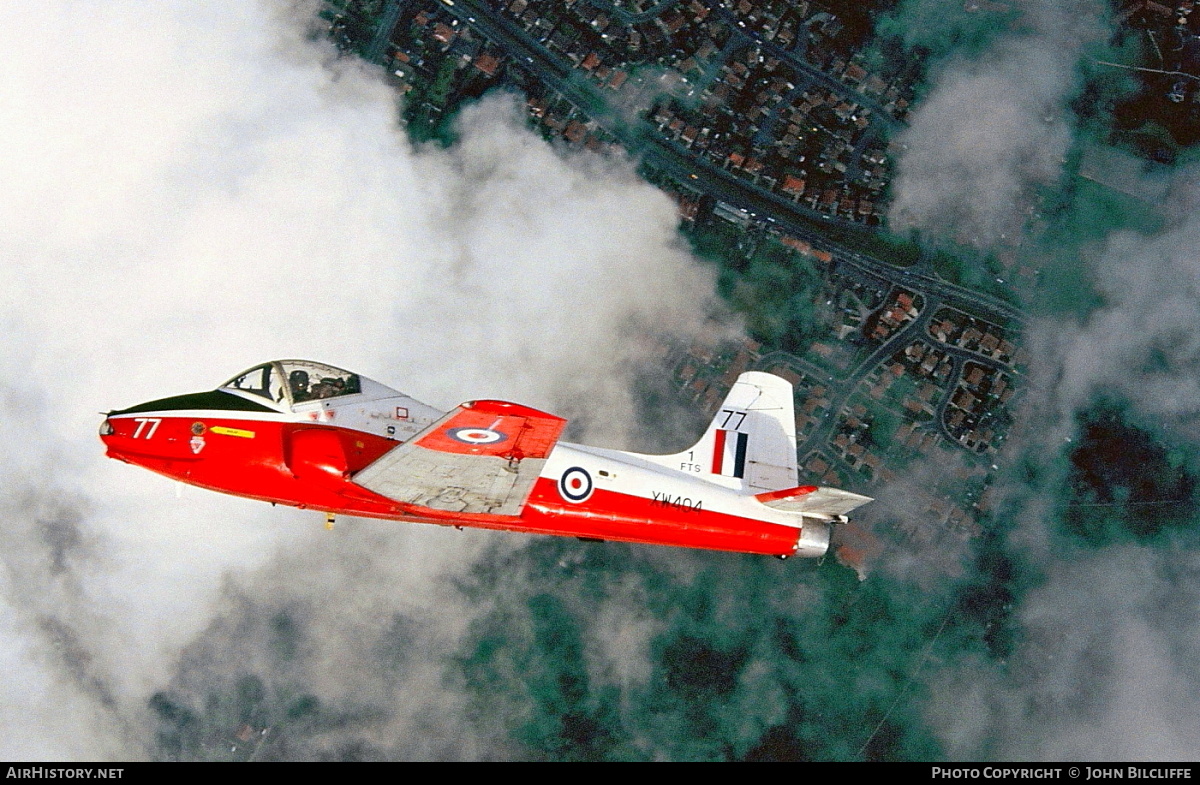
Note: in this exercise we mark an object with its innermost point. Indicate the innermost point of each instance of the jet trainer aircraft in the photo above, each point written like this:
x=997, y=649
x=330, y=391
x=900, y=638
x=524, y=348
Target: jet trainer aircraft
x=313, y=436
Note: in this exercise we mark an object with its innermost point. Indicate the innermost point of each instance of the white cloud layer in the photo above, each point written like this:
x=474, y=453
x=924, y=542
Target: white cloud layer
x=190, y=188
x=993, y=128
x=1104, y=660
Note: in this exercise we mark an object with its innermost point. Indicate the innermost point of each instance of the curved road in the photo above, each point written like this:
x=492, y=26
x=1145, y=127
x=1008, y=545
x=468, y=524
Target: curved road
x=642, y=139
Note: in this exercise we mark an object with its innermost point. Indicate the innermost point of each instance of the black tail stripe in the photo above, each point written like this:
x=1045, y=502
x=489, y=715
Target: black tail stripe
x=739, y=460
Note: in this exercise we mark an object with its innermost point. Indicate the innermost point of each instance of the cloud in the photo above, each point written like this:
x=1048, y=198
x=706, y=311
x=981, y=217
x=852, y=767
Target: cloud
x=1106, y=669
x=1100, y=660
x=558, y=265
x=1104, y=660
x=1098, y=613
x=192, y=188
x=212, y=190
x=993, y=127
x=1140, y=343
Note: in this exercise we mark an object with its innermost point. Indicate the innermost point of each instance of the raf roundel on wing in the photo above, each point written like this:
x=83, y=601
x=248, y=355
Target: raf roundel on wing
x=476, y=435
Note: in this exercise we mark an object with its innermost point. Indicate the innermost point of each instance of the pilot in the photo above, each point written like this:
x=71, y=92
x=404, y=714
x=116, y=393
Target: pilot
x=298, y=381
x=326, y=388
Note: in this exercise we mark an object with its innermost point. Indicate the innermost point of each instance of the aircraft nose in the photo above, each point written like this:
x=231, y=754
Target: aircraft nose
x=110, y=437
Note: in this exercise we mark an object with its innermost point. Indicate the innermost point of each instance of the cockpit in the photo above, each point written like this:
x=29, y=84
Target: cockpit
x=288, y=382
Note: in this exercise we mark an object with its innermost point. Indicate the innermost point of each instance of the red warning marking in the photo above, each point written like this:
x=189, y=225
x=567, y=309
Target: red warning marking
x=786, y=493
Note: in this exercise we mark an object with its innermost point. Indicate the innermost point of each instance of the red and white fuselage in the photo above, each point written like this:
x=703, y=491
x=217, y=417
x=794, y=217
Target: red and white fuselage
x=313, y=436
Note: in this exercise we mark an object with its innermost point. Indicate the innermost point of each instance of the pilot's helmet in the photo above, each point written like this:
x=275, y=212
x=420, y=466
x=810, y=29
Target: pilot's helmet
x=298, y=379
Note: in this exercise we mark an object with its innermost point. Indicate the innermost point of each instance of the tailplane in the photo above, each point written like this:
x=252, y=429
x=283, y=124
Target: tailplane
x=830, y=504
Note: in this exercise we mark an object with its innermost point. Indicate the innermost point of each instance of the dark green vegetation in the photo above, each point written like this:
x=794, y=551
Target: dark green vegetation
x=930, y=30
x=775, y=293
x=773, y=286
x=970, y=268
x=244, y=712
x=353, y=23
x=1149, y=113
x=424, y=120
x=600, y=652
x=1124, y=486
x=988, y=598
x=1079, y=221
x=747, y=659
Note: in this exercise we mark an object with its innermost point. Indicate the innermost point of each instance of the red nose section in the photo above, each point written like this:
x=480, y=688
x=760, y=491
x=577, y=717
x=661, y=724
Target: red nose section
x=162, y=444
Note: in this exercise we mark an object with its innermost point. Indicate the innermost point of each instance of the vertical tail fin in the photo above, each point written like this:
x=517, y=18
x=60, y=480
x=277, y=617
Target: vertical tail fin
x=751, y=442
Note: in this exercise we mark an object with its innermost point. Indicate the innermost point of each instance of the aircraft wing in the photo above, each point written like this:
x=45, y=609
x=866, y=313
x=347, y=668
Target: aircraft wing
x=483, y=458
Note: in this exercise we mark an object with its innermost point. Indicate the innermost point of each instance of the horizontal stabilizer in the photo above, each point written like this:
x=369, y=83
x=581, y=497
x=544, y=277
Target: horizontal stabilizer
x=818, y=502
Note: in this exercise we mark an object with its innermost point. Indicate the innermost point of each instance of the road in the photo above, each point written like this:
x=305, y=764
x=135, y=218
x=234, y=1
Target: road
x=642, y=139
x=878, y=113
x=391, y=14
x=847, y=385
x=685, y=167
x=766, y=207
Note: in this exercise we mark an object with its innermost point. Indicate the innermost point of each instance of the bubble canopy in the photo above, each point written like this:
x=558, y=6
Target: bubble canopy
x=287, y=382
